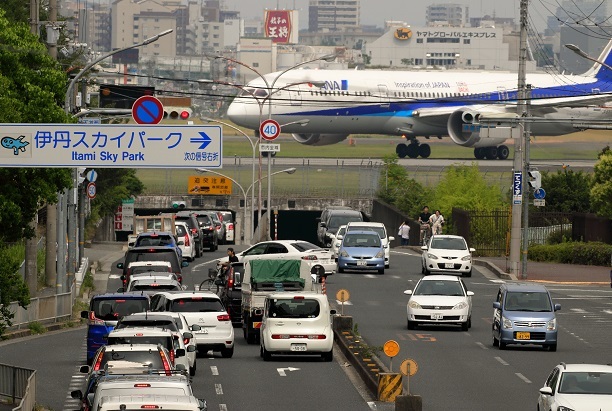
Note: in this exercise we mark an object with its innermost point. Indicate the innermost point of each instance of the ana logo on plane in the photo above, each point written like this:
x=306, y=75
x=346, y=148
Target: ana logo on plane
x=333, y=85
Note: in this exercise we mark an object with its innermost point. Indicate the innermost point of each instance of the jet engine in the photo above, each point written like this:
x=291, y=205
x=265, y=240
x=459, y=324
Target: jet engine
x=464, y=129
x=312, y=139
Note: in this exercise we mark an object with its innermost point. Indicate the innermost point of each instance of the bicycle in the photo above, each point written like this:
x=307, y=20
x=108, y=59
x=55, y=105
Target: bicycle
x=425, y=233
x=215, y=281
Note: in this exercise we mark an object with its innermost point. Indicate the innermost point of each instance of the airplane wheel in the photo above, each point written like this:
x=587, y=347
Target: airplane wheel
x=401, y=150
x=503, y=152
x=424, y=150
x=412, y=150
x=479, y=153
x=491, y=153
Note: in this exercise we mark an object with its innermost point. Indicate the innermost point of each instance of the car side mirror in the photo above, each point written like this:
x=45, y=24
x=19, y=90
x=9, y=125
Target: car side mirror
x=546, y=391
x=191, y=348
x=472, y=250
x=323, y=225
x=339, y=237
x=181, y=242
x=120, y=265
x=195, y=327
x=332, y=312
x=408, y=292
x=122, y=277
x=121, y=289
x=557, y=307
x=180, y=367
x=496, y=305
x=85, y=314
x=180, y=352
x=84, y=369
x=424, y=247
x=188, y=335
x=391, y=238
x=184, y=264
x=470, y=293
x=77, y=394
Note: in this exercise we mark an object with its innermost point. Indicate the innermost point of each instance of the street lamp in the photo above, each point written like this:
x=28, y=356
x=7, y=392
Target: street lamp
x=582, y=54
x=245, y=193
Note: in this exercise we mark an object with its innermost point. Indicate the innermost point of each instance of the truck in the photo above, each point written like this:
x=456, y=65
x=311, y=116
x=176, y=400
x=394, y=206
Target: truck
x=145, y=223
x=264, y=276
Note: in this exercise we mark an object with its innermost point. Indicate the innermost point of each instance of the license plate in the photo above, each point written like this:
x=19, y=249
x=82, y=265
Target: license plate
x=436, y=316
x=204, y=330
x=449, y=265
x=523, y=336
x=362, y=262
x=298, y=347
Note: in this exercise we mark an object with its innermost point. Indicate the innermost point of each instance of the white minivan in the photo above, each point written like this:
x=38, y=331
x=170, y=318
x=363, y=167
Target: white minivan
x=297, y=323
x=380, y=229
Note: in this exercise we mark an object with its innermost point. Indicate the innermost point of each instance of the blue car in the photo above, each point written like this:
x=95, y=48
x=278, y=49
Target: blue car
x=105, y=310
x=361, y=250
x=159, y=238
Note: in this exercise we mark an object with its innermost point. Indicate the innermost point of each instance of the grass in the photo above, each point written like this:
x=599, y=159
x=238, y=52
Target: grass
x=37, y=328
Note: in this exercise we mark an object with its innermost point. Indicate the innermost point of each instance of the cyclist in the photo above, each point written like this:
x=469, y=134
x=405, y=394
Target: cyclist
x=425, y=226
x=436, y=220
x=224, y=266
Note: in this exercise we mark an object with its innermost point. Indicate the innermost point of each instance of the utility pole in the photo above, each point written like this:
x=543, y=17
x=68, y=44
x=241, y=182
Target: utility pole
x=526, y=190
x=519, y=180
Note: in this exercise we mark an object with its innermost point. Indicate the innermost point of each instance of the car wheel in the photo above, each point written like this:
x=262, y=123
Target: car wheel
x=387, y=266
x=427, y=272
x=250, y=338
x=552, y=347
x=340, y=270
x=328, y=356
x=502, y=345
x=422, y=268
x=469, y=322
x=265, y=354
x=192, y=370
x=495, y=342
x=411, y=325
x=468, y=274
x=198, y=252
x=227, y=352
x=381, y=271
x=465, y=326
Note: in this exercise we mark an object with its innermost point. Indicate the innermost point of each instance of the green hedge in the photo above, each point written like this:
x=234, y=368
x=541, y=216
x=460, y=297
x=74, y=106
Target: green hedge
x=591, y=253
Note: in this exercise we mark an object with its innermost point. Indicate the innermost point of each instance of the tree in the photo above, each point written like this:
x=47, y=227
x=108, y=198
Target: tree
x=12, y=288
x=601, y=190
x=399, y=189
x=567, y=191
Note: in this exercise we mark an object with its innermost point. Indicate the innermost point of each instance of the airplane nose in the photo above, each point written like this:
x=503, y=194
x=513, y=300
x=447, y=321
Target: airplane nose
x=237, y=113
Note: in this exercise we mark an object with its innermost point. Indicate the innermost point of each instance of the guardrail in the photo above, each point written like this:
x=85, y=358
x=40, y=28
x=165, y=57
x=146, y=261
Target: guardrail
x=18, y=383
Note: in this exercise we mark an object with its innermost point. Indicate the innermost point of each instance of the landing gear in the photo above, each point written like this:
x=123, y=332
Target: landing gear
x=491, y=153
x=413, y=150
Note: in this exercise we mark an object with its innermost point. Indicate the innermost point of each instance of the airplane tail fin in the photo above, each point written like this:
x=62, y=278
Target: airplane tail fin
x=601, y=71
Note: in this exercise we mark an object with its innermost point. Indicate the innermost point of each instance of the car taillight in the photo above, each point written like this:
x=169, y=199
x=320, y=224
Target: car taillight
x=142, y=385
x=223, y=317
x=280, y=337
x=179, y=278
x=165, y=363
x=186, y=341
x=186, y=241
x=230, y=226
x=171, y=352
x=309, y=257
x=93, y=320
x=98, y=362
x=149, y=407
x=317, y=337
x=230, y=282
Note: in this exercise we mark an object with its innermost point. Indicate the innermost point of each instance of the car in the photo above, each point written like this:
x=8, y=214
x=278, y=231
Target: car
x=314, y=254
x=157, y=274
x=231, y=297
x=192, y=222
x=380, y=229
x=584, y=387
x=159, y=238
x=173, y=342
x=131, y=240
x=217, y=219
x=332, y=219
x=447, y=254
x=323, y=218
x=188, y=248
x=297, y=323
x=524, y=313
x=361, y=250
x=152, y=401
x=105, y=310
x=204, y=309
x=152, y=284
x=151, y=356
x=139, y=267
x=230, y=226
x=153, y=253
x=439, y=299
x=210, y=237
x=337, y=241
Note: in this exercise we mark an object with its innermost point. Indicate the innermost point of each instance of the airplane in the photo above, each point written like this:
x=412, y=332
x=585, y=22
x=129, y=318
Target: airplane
x=326, y=106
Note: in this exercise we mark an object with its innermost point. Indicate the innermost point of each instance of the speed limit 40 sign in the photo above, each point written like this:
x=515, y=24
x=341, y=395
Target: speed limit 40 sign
x=269, y=129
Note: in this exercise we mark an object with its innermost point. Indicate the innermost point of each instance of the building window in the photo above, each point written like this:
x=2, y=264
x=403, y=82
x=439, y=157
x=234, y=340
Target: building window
x=419, y=41
x=136, y=27
x=156, y=46
x=466, y=41
x=215, y=36
x=255, y=64
x=468, y=62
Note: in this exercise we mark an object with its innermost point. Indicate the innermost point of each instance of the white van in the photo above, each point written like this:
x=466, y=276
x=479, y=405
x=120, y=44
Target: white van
x=151, y=401
x=380, y=229
x=297, y=323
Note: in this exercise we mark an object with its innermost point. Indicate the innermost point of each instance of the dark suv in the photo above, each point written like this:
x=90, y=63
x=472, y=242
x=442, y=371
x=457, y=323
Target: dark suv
x=208, y=230
x=232, y=292
x=151, y=253
x=191, y=220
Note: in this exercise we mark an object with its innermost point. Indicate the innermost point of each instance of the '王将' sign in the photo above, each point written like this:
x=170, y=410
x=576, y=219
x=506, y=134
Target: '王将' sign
x=102, y=145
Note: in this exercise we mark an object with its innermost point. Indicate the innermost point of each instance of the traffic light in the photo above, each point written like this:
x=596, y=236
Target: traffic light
x=177, y=113
x=179, y=205
x=535, y=180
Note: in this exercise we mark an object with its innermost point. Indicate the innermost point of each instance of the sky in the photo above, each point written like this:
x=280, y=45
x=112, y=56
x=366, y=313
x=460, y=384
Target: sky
x=376, y=12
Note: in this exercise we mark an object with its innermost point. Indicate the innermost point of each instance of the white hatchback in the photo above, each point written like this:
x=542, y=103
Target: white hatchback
x=297, y=323
x=447, y=254
x=440, y=299
x=337, y=241
x=188, y=247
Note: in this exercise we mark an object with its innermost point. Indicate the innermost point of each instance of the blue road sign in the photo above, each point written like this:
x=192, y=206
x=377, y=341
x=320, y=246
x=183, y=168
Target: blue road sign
x=147, y=110
x=539, y=194
x=517, y=188
x=203, y=140
x=92, y=176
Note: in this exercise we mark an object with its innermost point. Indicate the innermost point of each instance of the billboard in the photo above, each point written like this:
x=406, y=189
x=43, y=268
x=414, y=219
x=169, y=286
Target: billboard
x=281, y=26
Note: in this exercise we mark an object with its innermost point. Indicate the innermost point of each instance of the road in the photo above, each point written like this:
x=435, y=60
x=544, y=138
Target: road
x=457, y=370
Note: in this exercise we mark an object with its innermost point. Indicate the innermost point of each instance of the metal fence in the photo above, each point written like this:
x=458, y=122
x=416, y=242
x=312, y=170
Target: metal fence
x=18, y=384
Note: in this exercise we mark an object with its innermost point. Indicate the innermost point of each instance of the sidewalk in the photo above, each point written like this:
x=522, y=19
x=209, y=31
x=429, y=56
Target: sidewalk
x=101, y=256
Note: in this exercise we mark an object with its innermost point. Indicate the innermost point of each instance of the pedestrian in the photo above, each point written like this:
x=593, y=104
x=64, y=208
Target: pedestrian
x=436, y=220
x=404, y=233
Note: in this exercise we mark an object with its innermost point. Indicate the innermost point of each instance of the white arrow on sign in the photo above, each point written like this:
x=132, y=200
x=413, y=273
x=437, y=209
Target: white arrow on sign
x=281, y=371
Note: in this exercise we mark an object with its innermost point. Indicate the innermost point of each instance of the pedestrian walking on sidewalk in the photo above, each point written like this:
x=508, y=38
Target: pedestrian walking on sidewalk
x=404, y=233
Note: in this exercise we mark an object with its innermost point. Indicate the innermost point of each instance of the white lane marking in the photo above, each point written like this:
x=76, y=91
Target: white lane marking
x=522, y=377
x=282, y=371
x=404, y=253
x=373, y=303
x=498, y=281
x=222, y=407
x=501, y=361
x=195, y=267
x=607, y=311
x=114, y=276
x=370, y=276
x=481, y=345
x=372, y=405
x=218, y=389
x=396, y=277
x=345, y=303
x=578, y=310
x=214, y=370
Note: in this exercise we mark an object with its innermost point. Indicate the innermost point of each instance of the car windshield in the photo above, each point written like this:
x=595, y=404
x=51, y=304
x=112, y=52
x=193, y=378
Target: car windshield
x=159, y=323
x=377, y=229
x=304, y=246
x=448, y=244
x=439, y=287
x=161, y=254
x=152, y=358
x=149, y=240
x=586, y=383
x=197, y=304
x=115, y=309
x=528, y=301
x=227, y=217
x=180, y=231
x=337, y=221
x=164, y=341
x=153, y=287
x=341, y=231
x=149, y=269
x=204, y=220
x=361, y=240
x=293, y=308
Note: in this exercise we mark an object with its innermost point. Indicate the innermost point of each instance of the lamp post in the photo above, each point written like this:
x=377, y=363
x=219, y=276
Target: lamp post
x=582, y=54
x=245, y=193
x=268, y=98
